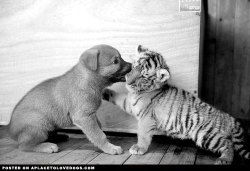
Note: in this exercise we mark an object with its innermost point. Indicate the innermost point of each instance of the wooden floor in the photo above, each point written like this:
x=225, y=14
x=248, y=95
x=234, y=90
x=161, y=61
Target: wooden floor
x=78, y=150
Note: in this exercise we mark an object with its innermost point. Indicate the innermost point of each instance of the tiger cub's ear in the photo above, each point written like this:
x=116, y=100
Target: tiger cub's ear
x=163, y=75
x=140, y=49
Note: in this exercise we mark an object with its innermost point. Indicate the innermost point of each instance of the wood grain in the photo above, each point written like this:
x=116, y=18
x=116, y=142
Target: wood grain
x=226, y=80
x=224, y=55
x=153, y=156
x=125, y=143
x=43, y=39
x=209, y=51
x=179, y=155
x=205, y=158
x=19, y=157
x=241, y=61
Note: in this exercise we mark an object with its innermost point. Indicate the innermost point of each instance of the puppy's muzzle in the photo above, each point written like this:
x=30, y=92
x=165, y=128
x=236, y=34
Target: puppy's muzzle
x=120, y=76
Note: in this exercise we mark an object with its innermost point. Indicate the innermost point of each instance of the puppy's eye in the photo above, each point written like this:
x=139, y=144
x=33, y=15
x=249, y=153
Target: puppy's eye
x=116, y=61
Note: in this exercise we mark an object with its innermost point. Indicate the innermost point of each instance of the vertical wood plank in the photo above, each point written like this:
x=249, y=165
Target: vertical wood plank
x=224, y=54
x=207, y=92
x=241, y=61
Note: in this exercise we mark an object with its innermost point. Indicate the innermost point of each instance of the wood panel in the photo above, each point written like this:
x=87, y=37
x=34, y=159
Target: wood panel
x=241, y=61
x=226, y=66
x=43, y=39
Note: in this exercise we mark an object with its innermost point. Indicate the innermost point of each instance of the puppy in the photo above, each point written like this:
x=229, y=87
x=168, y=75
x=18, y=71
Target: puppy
x=72, y=98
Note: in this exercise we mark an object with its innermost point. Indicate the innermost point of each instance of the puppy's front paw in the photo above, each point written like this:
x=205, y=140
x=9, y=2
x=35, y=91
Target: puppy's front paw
x=108, y=95
x=112, y=149
x=46, y=148
x=135, y=149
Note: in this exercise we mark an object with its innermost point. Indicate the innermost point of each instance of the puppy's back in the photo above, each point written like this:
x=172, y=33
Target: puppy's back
x=35, y=108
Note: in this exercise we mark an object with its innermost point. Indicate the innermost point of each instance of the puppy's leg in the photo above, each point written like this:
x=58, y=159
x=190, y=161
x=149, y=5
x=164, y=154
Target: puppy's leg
x=146, y=128
x=89, y=126
x=32, y=139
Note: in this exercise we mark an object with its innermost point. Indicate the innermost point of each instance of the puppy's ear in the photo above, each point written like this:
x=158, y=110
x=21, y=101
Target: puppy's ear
x=90, y=59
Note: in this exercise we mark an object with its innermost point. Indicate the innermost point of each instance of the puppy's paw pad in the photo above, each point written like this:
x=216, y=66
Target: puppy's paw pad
x=223, y=161
x=135, y=149
x=47, y=148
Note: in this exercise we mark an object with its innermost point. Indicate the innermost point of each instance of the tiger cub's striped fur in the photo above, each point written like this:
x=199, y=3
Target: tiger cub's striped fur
x=158, y=106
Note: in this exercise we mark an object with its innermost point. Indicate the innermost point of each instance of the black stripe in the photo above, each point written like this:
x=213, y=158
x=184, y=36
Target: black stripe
x=208, y=141
x=238, y=143
x=199, y=129
x=191, y=125
x=188, y=116
x=136, y=101
x=180, y=117
x=206, y=136
x=184, y=95
x=125, y=104
x=217, y=143
x=181, y=129
x=193, y=99
x=150, y=104
x=198, y=118
x=240, y=136
x=171, y=127
x=172, y=104
x=244, y=153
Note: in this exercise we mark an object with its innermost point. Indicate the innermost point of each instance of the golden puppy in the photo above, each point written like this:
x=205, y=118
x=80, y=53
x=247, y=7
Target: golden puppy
x=72, y=98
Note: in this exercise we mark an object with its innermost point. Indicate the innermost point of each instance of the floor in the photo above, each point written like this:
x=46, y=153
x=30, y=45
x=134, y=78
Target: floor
x=78, y=150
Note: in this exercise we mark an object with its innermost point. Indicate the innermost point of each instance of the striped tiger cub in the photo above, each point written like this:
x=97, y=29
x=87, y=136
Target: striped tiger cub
x=159, y=106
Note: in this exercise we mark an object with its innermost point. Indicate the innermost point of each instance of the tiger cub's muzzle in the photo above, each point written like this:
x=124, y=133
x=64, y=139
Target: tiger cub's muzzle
x=132, y=76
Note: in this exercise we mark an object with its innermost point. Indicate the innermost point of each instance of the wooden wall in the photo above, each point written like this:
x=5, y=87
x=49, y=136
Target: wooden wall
x=226, y=58
x=40, y=39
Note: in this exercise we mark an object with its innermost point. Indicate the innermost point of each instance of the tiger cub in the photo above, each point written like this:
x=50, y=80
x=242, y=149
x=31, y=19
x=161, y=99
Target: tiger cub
x=159, y=106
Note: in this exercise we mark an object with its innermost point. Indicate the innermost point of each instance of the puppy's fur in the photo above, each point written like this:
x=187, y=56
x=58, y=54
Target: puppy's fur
x=72, y=98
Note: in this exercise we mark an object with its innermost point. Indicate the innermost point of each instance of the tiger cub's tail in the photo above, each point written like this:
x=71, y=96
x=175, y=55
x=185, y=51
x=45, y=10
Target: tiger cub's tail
x=239, y=138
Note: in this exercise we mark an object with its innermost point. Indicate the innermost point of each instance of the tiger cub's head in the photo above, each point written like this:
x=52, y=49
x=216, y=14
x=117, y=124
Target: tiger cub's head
x=150, y=72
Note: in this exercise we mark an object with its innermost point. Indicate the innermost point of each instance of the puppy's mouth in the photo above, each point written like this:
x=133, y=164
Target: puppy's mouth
x=122, y=73
x=118, y=79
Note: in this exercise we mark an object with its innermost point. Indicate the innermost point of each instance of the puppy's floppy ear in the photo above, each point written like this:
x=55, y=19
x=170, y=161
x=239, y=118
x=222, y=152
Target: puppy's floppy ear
x=90, y=58
x=163, y=75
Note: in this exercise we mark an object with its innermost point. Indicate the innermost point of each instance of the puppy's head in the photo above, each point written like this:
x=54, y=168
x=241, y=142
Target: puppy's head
x=106, y=61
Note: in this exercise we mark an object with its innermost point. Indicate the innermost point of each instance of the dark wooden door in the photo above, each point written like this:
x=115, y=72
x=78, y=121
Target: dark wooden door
x=226, y=58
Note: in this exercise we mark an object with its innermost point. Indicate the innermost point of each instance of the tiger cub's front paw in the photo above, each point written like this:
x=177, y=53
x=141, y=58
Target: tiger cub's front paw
x=108, y=95
x=135, y=149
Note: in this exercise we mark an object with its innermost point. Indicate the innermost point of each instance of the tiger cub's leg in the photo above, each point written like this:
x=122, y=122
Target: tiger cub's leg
x=227, y=152
x=216, y=141
x=146, y=128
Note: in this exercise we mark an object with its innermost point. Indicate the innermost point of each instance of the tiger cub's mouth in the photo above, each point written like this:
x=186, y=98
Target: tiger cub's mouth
x=132, y=76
